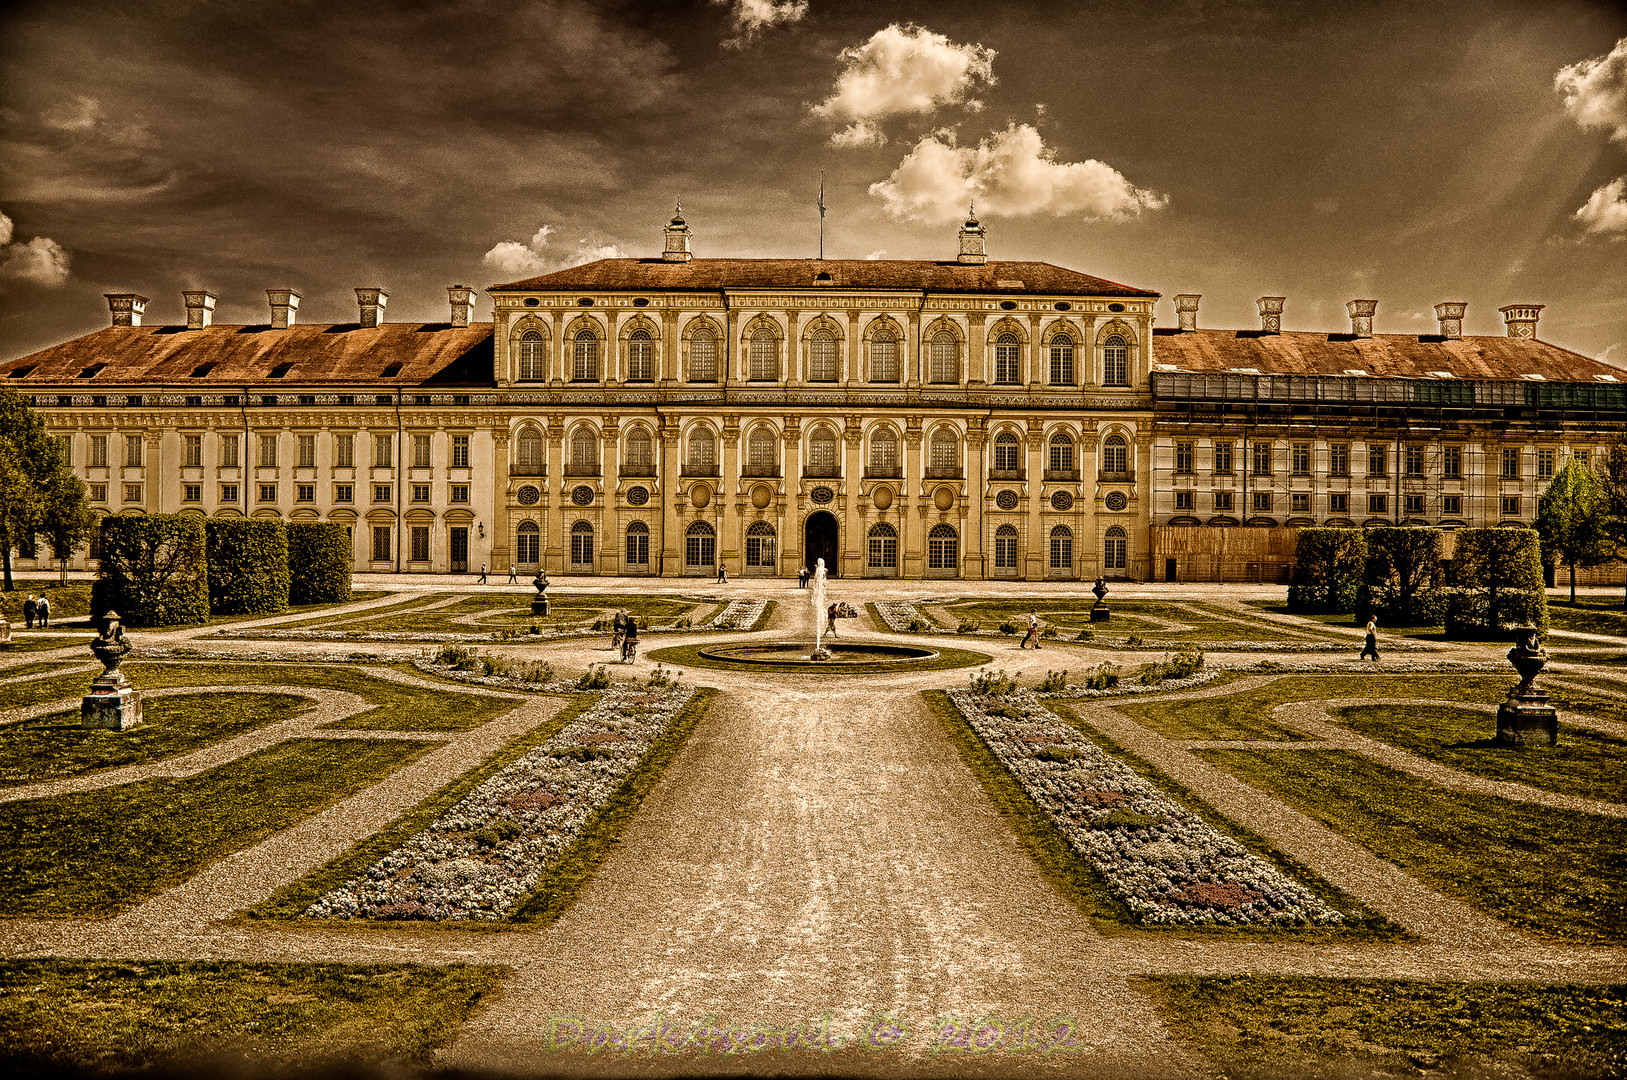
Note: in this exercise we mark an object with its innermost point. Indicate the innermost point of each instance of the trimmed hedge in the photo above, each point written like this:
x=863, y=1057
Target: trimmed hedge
x=1327, y=569
x=1500, y=583
x=319, y=561
x=1401, y=576
x=154, y=570
x=248, y=566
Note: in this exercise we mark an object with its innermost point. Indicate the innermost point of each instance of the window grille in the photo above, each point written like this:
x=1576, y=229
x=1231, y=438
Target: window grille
x=1062, y=549
x=640, y=450
x=1062, y=361
x=268, y=451
x=760, y=544
x=1511, y=463
x=381, y=543
x=700, y=545
x=383, y=447
x=420, y=543
x=1378, y=461
x=527, y=543
x=822, y=363
x=1301, y=462
x=1061, y=459
x=883, y=358
x=883, y=451
x=1115, y=549
x=1115, y=362
x=944, y=450
x=638, y=544
x=762, y=450
x=1184, y=458
x=943, y=547
x=703, y=357
x=765, y=358
x=883, y=547
x=132, y=451
x=1007, y=359
x=98, y=450
x=1452, y=462
x=460, y=451
x=585, y=357
x=1006, y=455
x=584, y=451
x=582, y=544
x=1115, y=455
x=344, y=451
x=640, y=357
x=307, y=451
x=702, y=449
x=194, y=450
x=420, y=452
x=945, y=358
x=1223, y=458
x=532, y=358
x=1262, y=459
x=1005, y=547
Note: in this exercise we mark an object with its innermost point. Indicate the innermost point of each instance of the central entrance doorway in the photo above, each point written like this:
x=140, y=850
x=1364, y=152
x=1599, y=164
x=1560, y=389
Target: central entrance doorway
x=460, y=549
x=819, y=541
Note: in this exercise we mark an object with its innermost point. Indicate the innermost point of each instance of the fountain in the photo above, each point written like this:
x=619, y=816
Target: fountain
x=819, y=608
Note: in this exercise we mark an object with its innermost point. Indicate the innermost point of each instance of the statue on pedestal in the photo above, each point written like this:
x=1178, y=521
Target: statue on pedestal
x=112, y=703
x=1100, y=613
x=539, y=602
x=1526, y=717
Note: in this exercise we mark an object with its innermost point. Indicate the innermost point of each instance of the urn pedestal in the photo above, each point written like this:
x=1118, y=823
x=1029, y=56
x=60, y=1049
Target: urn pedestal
x=1100, y=612
x=1526, y=718
x=112, y=704
x=539, y=602
x=5, y=634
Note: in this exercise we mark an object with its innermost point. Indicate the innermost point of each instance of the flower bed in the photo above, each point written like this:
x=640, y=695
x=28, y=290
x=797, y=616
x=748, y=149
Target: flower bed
x=293, y=656
x=898, y=614
x=738, y=615
x=484, y=854
x=1128, y=685
x=1169, y=865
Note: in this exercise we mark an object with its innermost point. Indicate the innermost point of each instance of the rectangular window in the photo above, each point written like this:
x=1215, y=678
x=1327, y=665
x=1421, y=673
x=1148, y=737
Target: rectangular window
x=420, y=493
x=228, y=451
x=192, y=493
x=347, y=399
x=1545, y=464
x=1300, y=504
x=1511, y=506
x=1511, y=463
x=1451, y=505
x=1415, y=460
x=1302, y=459
x=1338, y=503
x=1184, y=500
x=459, y=494
x=132, y=493
x=64, y=444
x=98, y=451
x=1223, y=502
x=268, y=493
x=1582, y=456
x=381, y=543
x=134, y=401
x=420, y=543
x=1415, y=504
x=307, y=399
x=382, y=446
x=1262, y=459
x=1183, y=458
x=1223, y=458
x=268, y=399
x=1262, y=501
x=194, y=401
x=1339, y=459
x=1452, y=462
x=307, y=451
x=344, y=451
x=381, y=493
x=268, y=451
x=132, y=451
x=228, y=493
x=420, y=451
x=305, y=493
x=1377, y=503
x=381, y=399
x=193, y=445
x=460, y=451
x=98, y=493
x=344, y=493
x=1378, y=460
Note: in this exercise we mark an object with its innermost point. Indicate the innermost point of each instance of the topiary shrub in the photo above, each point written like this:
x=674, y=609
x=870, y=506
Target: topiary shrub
x=153, y=570
x=1500, y=584
x=319, y=563
x=248, y=565
x=1328, y=565
x=1400, y=577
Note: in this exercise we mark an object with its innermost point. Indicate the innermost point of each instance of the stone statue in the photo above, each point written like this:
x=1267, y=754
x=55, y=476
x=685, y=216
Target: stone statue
x=112, y=704
x=1526, y=717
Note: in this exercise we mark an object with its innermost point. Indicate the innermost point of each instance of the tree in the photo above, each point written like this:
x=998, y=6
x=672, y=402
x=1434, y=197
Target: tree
x=154, y=570
x=1327, y=569
x=39, y=494
x=21, y=505
x=1570, y=521
x=248, y=565
x=1612, y=478
x=1398, y=581
x=1499, y=583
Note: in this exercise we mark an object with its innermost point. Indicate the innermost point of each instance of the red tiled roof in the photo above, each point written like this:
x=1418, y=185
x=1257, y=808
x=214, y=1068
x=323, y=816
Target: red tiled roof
x=340, y=353
x=916, y=275
x=1403, y=356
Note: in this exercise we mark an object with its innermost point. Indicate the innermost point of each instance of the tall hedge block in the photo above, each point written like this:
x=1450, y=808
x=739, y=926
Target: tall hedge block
x=1401, y=577
x=154, y=570
x=248, y=566
x=1327, y=569
x=1500, y=583
x=319, y=562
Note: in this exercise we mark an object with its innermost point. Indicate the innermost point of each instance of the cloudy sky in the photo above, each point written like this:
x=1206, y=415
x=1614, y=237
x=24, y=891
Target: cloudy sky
x=1411, y=152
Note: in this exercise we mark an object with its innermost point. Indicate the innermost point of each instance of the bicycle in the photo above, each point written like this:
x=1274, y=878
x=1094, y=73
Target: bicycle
x=629, y=650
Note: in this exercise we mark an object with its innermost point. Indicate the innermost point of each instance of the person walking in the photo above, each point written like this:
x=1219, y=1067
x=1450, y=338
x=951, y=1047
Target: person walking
x=44, y=611
x=1371, y=647
x=482, y=573
x=802, y=578
x=30, y=609
x=1033, y=630
x=513, y=573
x=830, y=620
x=722, y=574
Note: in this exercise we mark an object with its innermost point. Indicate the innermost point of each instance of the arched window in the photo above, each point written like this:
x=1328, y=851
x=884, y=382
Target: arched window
x=1008, y=359
x=700, y=546
x=1007, y=456
x=640, y=357
x=1115, y=362
x=702, y=454
x=528, y=452
x=943, y=548
x=640, y=453
x=765, y=357
x=822, y=460
x=584, y=452
x=531, y=356
x=1061, y=459
x=945, y=358
x=943, y=452
x=883, y=358
x=1005, y=548
x=1061, y=550
x=760, y=544
x=703, y=357
x=762, y=452
x=638, y=545
x=822, y=362
x=1113, y=549
x=1062, y=360
x=585, y=357
x=884, y=453
x=1115, y=454
x=527, y=543
x=582, y=545
x=883, y=555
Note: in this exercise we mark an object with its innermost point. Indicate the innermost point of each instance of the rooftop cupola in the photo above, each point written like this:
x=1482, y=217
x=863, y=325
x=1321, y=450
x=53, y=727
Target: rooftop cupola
x=1186, y=310
x=1521, y=319
x=971, y=240
x=460, y=298
x=1271, y=313
x=284, y=302
x=677, y=249
x=1361, y=317
x=200, y=308
x=126, y=308
x=370, y=306
x=1450, y=314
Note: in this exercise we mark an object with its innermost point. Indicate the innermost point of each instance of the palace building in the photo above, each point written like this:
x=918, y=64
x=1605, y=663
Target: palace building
x=922, y=419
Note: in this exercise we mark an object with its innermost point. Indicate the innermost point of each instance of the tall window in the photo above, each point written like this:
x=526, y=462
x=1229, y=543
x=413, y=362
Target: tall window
x=883, y=358
x=582, y=545
x=1545, y=464
x=944, y=452
x=527, y=543
x=1007, y=359
x=822, y=362
x=762, y=451
x=1115, y=454
x=1114, y=549
x=1005, y=547
x=822, y=452
x=700, y=545
x=420, y=543
x=765, y=357
x=1062, y=549
x=640, y=357
x=98, y=450
x=1262, y=458
x=531, y=356
x=1115, y=362
x=344, y=451
x=585, y=357
x=1452, y=462
x=584, y=451
x=1006, y=454
x=702, y=456
x=420, y=451
x=703, y=357
x=884, y=452
x=640, y=452
x=638, y=544
x=383, y=445
x=460, y=451
x=1415, y=460
x=760, y=544
x=1301, y=454
x=945, y=358
x=883, y=545
x=1223, y=458
x=1184, y=458
x=1511, y=463
x=381, y=543
x=1339, y=459
x=268, y=452
x=1378, y=461
x=1062, y=361
x=194, y=449
x=943, y=548
x=132, y=451
x=1061, y=459
x=528, y=449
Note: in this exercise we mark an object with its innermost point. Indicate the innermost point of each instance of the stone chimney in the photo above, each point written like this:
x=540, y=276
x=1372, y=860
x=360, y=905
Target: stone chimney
x=1271, y=313
x=1521, y=319
x=284, y=302
x=1361, y=317
x=371, y=302
x=1186, y=310
x=677, y=249
x=461, y=299
x=1450, y=315
x=200, y=309
x=971, y=240
x=126, y=307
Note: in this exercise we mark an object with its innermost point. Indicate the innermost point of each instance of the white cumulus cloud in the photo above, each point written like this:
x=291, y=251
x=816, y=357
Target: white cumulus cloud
x=901, y=71
x=41, y=260
x=535, y=256
x=1605, y=211
x=1595, y=91
x=751, y=17
x=1012, y=173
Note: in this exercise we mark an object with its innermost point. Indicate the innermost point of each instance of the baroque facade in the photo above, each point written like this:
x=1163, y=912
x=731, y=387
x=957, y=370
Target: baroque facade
x=673, y=415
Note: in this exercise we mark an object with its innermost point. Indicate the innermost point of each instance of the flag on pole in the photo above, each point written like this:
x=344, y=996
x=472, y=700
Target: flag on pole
x=821, y=214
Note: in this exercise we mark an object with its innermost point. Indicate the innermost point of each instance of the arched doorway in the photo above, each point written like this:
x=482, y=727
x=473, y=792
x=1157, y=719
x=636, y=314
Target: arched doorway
x=820, y=541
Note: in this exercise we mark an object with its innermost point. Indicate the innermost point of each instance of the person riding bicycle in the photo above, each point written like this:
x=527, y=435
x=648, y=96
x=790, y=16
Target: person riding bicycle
x=618, y=628
x=629, y=642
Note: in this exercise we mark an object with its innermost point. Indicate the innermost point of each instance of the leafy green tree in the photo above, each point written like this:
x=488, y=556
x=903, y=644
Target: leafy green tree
x=21, y=506
x=1570, y=520
x=154, y=570
x=1327, y=569
x=1398, y=581
x=1612, y=478
x=39, y=494
x=1499, y=583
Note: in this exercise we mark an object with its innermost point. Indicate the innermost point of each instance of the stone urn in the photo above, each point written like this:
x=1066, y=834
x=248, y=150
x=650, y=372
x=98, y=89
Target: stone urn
x=539, y=602
x=1100, y=613
x=112, y=704
x=5, y=634
x=1526, y=718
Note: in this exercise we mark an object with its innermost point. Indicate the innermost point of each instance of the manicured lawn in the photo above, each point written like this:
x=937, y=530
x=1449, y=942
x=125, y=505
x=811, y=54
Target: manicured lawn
x=1544, y=871
x=565, y=609
x=39, y=667
x=1147, y=619
x=69, y=601
x=1584, y=763
x=95, y=853
x=113, y=1015
x=1589, y=615
x=54, y=746
x=1255, y=1027
x=1245, y=715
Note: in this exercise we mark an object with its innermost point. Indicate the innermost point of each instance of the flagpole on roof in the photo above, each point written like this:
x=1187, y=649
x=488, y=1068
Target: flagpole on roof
x=821, y=215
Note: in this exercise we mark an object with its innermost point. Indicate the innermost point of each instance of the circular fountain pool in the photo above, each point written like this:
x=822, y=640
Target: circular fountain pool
x=850, y=658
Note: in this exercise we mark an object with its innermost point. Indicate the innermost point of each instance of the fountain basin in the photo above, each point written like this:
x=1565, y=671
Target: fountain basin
x=798, y=652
